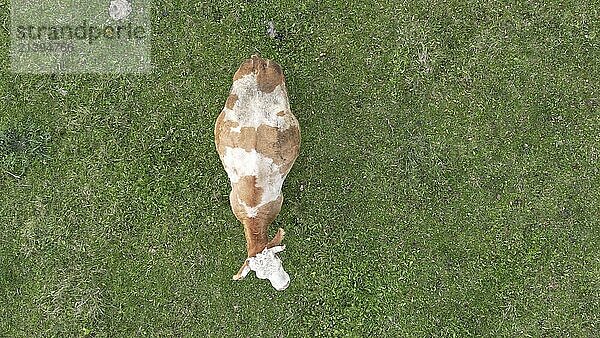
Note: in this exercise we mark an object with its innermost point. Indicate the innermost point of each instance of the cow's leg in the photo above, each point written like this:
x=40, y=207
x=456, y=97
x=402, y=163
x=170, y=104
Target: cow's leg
x=277, y=239
x=243, y=271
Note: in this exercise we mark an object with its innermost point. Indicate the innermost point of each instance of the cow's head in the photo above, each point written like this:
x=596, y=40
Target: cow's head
x=267, y=265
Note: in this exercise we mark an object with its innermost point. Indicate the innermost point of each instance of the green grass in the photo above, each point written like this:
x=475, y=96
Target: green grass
x=448, y=183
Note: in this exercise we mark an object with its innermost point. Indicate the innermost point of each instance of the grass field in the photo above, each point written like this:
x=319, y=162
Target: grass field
x=448, y=183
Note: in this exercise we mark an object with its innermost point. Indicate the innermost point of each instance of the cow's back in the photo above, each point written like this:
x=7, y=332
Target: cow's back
x=257, y=138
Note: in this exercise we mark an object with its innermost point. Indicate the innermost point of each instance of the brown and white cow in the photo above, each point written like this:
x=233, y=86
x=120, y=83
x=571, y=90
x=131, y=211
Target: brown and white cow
x=258, y=139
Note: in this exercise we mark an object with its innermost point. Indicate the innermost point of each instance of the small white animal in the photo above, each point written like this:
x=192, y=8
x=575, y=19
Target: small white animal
x=258, y=140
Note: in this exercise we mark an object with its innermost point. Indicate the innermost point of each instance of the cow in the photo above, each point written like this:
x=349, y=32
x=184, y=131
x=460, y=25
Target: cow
x=258, y=139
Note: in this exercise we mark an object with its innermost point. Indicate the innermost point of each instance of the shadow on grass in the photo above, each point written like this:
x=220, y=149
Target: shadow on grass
x=20, y=147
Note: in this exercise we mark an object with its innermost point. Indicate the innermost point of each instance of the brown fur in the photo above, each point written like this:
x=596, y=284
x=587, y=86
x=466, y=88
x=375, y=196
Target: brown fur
x=231, y=100
x=281, y=146
x=268, y=73
x=255, y=228
x=248, y=192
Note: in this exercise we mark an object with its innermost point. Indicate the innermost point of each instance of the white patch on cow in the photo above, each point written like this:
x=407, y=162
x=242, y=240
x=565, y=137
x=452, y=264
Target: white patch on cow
x=250, y=211
x=254, y=107
x=268, y=266
x=239, y=163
